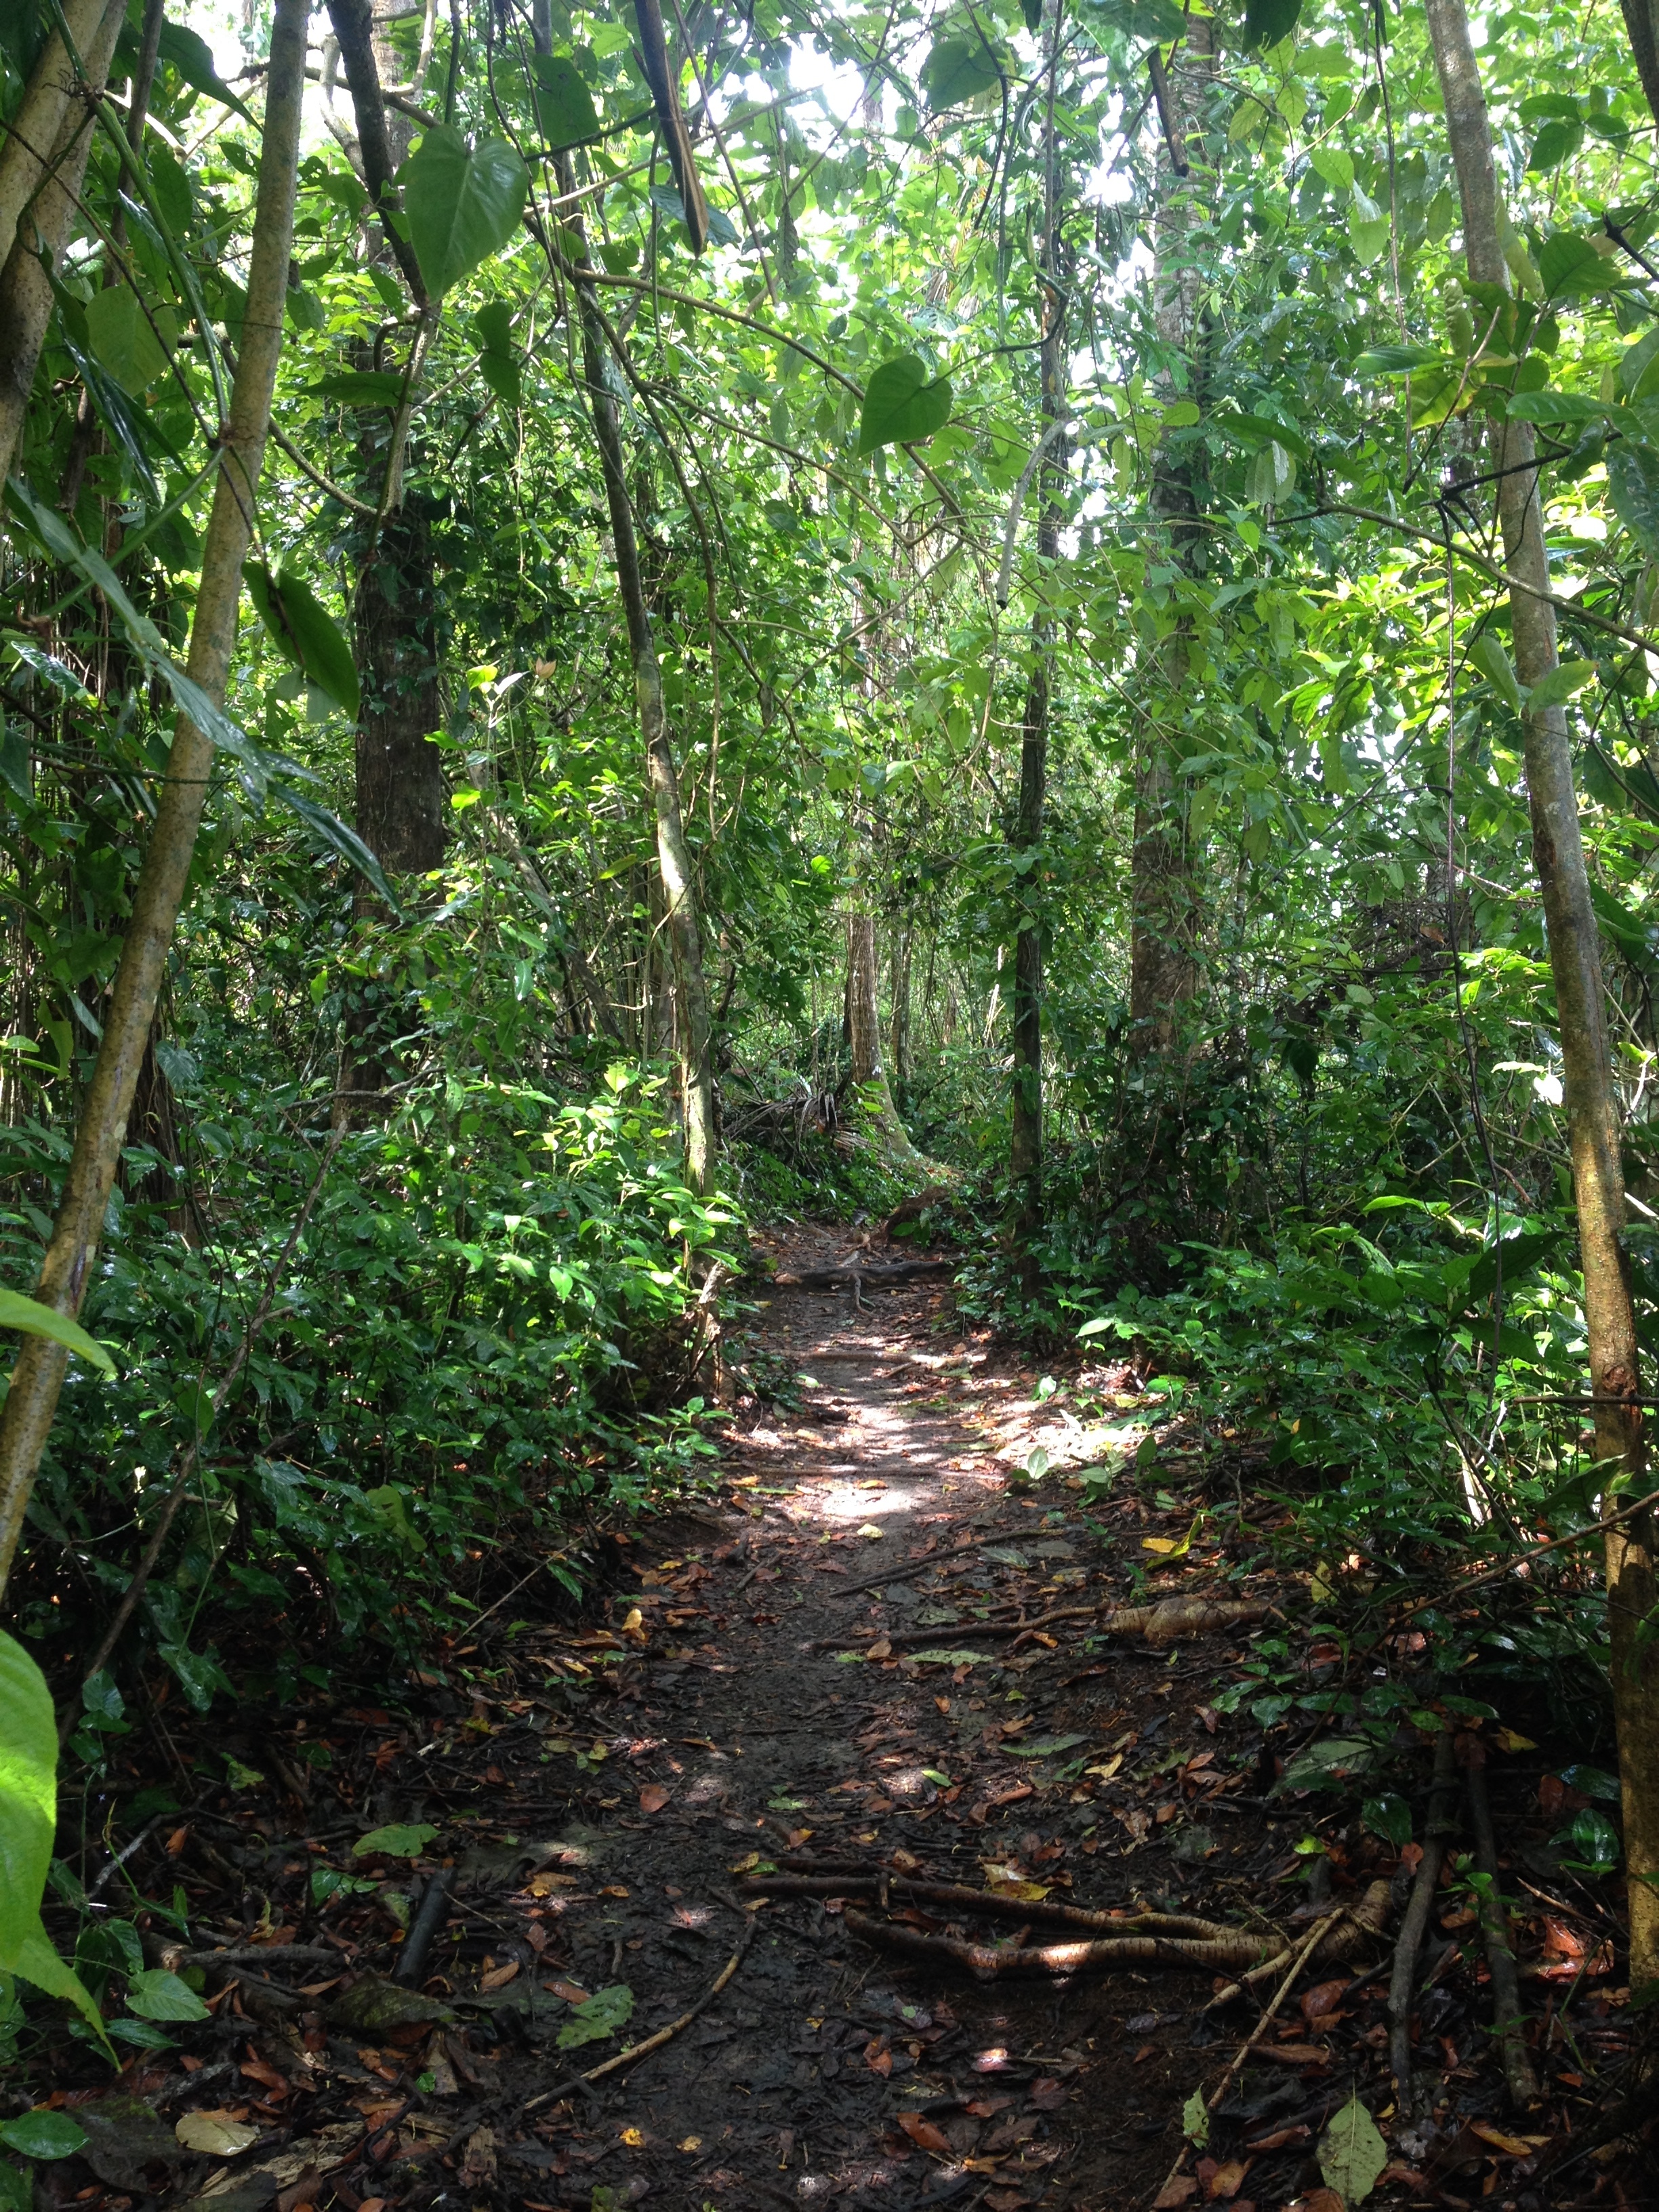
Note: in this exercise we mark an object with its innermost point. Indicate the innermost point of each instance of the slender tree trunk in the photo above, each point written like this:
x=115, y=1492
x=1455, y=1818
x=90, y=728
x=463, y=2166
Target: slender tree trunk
x=31, y=134
x=41, y=231
x=27, y=1417
x=1642, y=23
x=899, y=1021
x=1025, y=1133
x=1162, y=970
x=878, y=1116
x=1575, y=969
x=674, y=859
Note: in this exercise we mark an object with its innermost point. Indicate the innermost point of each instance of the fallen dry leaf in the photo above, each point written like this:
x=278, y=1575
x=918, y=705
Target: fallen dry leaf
x=216, y=2133
x=1180, y=2188
x=499, y=1976
x=572, y=1992
x=1516, y=2146
x=923, y=2133
x=1294, y=2054
x=1227, y=2180
x=653, y=1797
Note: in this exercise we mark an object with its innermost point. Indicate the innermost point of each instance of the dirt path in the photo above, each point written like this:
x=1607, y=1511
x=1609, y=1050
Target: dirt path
x=595, y=1796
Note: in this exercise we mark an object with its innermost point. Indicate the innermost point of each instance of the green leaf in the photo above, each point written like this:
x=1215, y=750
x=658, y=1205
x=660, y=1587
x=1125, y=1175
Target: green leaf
x=564, y=105
x=190, y=55
x=1268, y=21
x=157, y=1995
x=1592, y=1782
x=358, y=387
x=36, y=1320
x=43, y=2134
x=902, y=404
x=1633, y=480
x=1335, y=166
x=1568, y=263
x=959, y=66
x=1487, y=653
x=1195, y=2120
x=401, y=1840
x=1351, y=2154
x=1596, y=1840
x=1388, y=1816
x=460, y=206
x=124, y=341
x=605, y=2012
x=494, y=323
x=1560, y=685
x=305, y=633
x=1547, y=406
x=1520, y=1255
x=38, y=1963
x=1397, y=359
x=1557, y=141
x=28, y=1793
x=502, y=377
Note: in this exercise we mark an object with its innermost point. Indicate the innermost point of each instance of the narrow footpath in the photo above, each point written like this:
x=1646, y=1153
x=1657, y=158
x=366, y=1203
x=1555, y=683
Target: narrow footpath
x=700, y=1849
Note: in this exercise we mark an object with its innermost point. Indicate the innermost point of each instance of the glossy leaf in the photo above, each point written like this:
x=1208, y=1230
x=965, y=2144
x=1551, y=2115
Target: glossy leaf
x=34, y=1319
x=158, y=1995
x=461, y=206
x=902, y=404
x=305, y=633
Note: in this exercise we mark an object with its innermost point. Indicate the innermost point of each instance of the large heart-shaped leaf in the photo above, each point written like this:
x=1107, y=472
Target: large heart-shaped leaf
x=460, y=206
x=903, y=402
x=564, y=105
x=305, y=633
x=959, y=67
x=1268, y=21
x=123, y=339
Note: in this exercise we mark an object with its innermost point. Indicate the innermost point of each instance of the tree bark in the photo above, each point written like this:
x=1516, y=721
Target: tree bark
x=400, y=776
x=674, y=861
x=31, y=134
x=1163, y=968
x=899, y=1015
x=26, y=1420
x=1642, y=23
x=1025, y=1131
x=40, y=232
x=1575, y=969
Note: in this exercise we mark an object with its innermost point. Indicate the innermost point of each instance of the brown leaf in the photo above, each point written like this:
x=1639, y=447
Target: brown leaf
x=499, y=1976
x=653, y=1797
x=878, y=2057
x=1227, y=2180
x=1294, y=2054
x=1324, y=1999
x=1180, y=2188
x=1048, y=2095
x=923, y=2133
x=1318, y=2200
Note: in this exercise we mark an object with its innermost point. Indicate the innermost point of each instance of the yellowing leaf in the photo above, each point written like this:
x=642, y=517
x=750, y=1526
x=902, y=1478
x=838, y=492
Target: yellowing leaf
x=634, y=2137
x=1508, y=1739
x=1109, y=1769
x=870, y=1530
x=216, y=2134
x=1168, y=1547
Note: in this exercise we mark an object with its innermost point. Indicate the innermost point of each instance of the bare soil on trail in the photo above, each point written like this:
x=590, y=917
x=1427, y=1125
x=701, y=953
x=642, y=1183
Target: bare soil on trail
x=597, y=1795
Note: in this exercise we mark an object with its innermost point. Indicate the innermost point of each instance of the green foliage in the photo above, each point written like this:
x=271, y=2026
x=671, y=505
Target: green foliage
x=461, y=205
x=902, y=404
x=395, y=1842
x=597, y=2018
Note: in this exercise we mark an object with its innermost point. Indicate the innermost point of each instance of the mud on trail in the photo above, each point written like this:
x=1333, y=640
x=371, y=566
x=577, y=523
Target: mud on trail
x=718, y=1809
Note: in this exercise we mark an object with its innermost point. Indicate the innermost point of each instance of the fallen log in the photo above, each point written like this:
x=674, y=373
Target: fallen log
x=991, y=1902
x=1166, y=1622
x=1263, y=1954
x=850, y=1276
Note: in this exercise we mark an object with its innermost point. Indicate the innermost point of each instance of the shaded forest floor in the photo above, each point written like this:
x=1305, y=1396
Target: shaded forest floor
x=599, y=1793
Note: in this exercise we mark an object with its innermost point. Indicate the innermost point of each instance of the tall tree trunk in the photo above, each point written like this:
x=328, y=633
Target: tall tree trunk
x=1575, y=969
x=40, y=232
x=1163, y=897
x=31, y=134
x=1642, y=23
x=674, y=861
x=877, y=1118
x=27, y=1417
x=899, y=1016
x=1025, y=1134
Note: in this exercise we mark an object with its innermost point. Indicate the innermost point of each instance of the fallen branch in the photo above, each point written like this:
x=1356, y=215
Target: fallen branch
x=1507, y=2016
x=919, y=1566
x=579, y=2083
x=851, y=1276
x=994, y=1905
x=1167, y=1622
x=1360, y=1924
x=1416, y=1920
x=1305, y=1953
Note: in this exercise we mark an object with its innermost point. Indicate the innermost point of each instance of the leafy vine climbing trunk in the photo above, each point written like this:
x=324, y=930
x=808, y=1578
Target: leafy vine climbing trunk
x=674, y=861
x=1025, y=1135
x=1575, y=969
x=37, y=1380
x=1162, y=967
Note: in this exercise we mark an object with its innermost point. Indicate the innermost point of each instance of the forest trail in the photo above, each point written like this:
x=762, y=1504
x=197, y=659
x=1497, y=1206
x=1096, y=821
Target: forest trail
x=603, y=1798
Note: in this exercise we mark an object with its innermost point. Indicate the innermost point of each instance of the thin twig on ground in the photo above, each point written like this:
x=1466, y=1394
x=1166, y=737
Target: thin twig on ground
x=1508, y=2020
x=1401, y=1992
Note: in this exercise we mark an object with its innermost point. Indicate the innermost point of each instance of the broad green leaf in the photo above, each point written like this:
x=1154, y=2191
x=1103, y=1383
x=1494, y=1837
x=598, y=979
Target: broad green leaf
x=1547, y=406
x=1520, y=1255
x=1351, y=2154
x=157, y=1995
x=1388, y=1816
x=1268, y=21
x=959, y=67
x=358, y=387
x=902, y=404
x=1486, y=652
x=36, y=1320
x=38, y=1964
x=1369, y=234
x=305, y=633
x=401, y=1840
x=1335, y=166
x=502, y=375
x=1560, y=685
x=460, y=206
x=564, y=105
x=605, y=2012
x=124, y=343
x=1195, y=2120
x=1568, y=263
x=43, y=2134
x=1633, y=480
x=1557, y=141
x=28, y=1793
x=494, y=323
x=1181, y=414
x=1397, y=359
x=1596, y=1841
x=190, y=55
